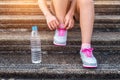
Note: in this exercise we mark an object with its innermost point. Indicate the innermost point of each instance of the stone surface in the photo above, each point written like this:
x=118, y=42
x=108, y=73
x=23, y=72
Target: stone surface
x=11, y=19
x=66, y=79
x=19, y=41
x=99, y=37
x=63, y=79
x=58, y=58
x=59, y=71
x=98, y=27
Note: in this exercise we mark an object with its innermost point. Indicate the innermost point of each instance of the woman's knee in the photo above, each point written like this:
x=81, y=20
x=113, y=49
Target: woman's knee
x=86, y=2
x=60, y=1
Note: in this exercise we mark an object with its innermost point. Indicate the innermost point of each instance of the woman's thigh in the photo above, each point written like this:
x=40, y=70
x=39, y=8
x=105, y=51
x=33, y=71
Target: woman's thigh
x=77, y=12
x=52, y=9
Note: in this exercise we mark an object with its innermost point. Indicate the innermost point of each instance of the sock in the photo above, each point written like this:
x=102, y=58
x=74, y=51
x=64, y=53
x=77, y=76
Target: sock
x=85, y=45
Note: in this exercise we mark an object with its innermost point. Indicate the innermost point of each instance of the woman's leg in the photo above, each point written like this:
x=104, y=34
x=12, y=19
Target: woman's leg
x=86, y=10
x=59, y=8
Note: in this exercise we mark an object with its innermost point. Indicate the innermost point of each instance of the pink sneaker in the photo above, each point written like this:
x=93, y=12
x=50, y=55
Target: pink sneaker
x=88, y=59
x=60, y=36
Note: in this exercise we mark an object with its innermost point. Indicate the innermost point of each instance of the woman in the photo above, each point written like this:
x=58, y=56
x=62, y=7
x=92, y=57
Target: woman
x=60, y=19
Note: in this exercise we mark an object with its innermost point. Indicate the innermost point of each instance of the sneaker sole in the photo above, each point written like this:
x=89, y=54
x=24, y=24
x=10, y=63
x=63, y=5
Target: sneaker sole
x=57, y=44
x=89, y=66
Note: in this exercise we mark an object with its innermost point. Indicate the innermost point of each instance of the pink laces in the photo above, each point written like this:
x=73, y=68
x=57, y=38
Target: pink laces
x=61, y=30
x=88, y=52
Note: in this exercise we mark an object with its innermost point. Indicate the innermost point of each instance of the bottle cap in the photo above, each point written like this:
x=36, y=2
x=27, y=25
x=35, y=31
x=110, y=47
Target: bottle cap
x=34, y=28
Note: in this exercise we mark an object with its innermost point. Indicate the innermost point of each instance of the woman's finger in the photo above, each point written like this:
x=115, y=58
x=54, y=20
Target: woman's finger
x=69, y=25
x=50, y=26
x=55, y=25
x=66, y=23
x=73, y=24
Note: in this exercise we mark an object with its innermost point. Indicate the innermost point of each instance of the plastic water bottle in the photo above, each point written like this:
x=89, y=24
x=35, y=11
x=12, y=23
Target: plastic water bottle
x=36, y=54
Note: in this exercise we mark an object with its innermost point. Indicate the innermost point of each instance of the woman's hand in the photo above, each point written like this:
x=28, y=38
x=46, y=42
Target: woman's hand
x=52, y=22
x=69, y=21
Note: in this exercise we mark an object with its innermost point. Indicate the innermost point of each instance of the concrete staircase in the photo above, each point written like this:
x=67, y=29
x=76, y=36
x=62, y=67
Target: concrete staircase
x=16, y=19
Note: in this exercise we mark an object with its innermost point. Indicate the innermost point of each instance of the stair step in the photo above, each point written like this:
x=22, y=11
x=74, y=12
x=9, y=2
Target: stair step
x=37, y=11
x=19, y=4
x=106, y=0
x=57, y=58
x=20, y=11
x=20, y=0
x=25, y=49
x=22, y=7
x=57, y=79
x=47, y=0
x=97, y=3
x=58, y=66
x=20, y=42
x=59, y=71
x=103, y=23
x=107, y=11
x=22, y=4
x=107, y=3
x=27, y=27
x=41, y=19
x=47, y=37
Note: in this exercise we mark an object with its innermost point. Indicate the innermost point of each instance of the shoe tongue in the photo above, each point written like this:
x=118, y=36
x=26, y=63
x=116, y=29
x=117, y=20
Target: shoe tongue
x=61, y=32
x=88, y=52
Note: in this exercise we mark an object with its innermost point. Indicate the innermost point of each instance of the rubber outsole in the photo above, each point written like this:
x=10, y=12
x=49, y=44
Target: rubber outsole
x=58, y=44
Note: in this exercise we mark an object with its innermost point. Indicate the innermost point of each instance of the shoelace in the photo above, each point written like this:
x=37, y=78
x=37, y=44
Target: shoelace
x=88, y=52
x=61, y=31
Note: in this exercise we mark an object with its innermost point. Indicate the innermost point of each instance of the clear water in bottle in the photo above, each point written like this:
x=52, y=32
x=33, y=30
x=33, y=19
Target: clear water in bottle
x=36, y=54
